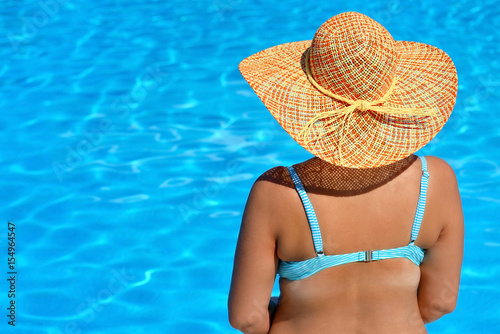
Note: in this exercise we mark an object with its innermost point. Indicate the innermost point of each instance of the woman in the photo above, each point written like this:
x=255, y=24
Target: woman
x=366, y=237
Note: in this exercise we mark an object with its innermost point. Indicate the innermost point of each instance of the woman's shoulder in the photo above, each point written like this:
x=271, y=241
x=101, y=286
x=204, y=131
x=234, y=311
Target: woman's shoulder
x=441, y=171
x=278, y=175
x=443, y=194
x=273, y=185
x=271, y=192
x=437, y=161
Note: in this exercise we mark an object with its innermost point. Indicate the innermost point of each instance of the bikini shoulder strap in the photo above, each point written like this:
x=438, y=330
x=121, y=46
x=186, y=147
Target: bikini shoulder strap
x=311, y=215
x=424, y=181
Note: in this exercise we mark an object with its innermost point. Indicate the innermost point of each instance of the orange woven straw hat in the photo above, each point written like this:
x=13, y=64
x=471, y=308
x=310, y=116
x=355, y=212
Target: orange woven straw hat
x=353, y=96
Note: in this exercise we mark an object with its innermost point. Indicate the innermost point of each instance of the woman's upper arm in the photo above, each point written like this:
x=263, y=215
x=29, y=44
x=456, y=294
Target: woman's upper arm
x=255, y=263
x=441, y=268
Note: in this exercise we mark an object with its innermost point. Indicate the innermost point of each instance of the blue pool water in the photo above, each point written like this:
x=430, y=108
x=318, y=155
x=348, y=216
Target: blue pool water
x=129, y=142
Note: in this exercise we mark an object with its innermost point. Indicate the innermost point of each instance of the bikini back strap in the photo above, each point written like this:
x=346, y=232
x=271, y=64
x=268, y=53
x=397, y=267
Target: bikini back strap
x=424, y=181
x=311, y=215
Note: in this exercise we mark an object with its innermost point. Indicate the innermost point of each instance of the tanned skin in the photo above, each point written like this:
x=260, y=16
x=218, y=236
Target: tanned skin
x=391, y=296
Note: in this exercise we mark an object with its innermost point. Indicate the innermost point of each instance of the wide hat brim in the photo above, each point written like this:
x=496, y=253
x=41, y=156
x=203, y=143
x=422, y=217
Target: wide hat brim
x=425, y=78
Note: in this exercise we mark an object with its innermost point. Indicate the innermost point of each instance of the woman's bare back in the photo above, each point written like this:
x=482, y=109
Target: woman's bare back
x=375, y=297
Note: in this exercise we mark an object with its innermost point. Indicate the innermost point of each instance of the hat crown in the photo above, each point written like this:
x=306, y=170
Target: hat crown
x=353, y=56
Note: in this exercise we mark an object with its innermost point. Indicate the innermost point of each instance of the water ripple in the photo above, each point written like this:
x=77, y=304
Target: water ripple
x=131, y=199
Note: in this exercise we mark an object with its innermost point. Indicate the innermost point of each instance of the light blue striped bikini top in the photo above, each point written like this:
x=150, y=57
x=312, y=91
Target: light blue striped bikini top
x=296, y=270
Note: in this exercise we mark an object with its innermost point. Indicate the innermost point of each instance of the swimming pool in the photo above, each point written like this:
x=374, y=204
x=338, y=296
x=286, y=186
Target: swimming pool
x=130, y=142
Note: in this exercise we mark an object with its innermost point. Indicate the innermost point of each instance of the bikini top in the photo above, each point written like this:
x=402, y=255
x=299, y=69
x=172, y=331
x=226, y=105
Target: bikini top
x=296, y=270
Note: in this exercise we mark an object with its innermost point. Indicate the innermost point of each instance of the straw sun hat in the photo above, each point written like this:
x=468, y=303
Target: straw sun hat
x=353, y=96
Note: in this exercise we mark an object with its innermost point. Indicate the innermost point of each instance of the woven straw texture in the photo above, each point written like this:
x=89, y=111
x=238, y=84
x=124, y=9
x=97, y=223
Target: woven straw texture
x=354, y=57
